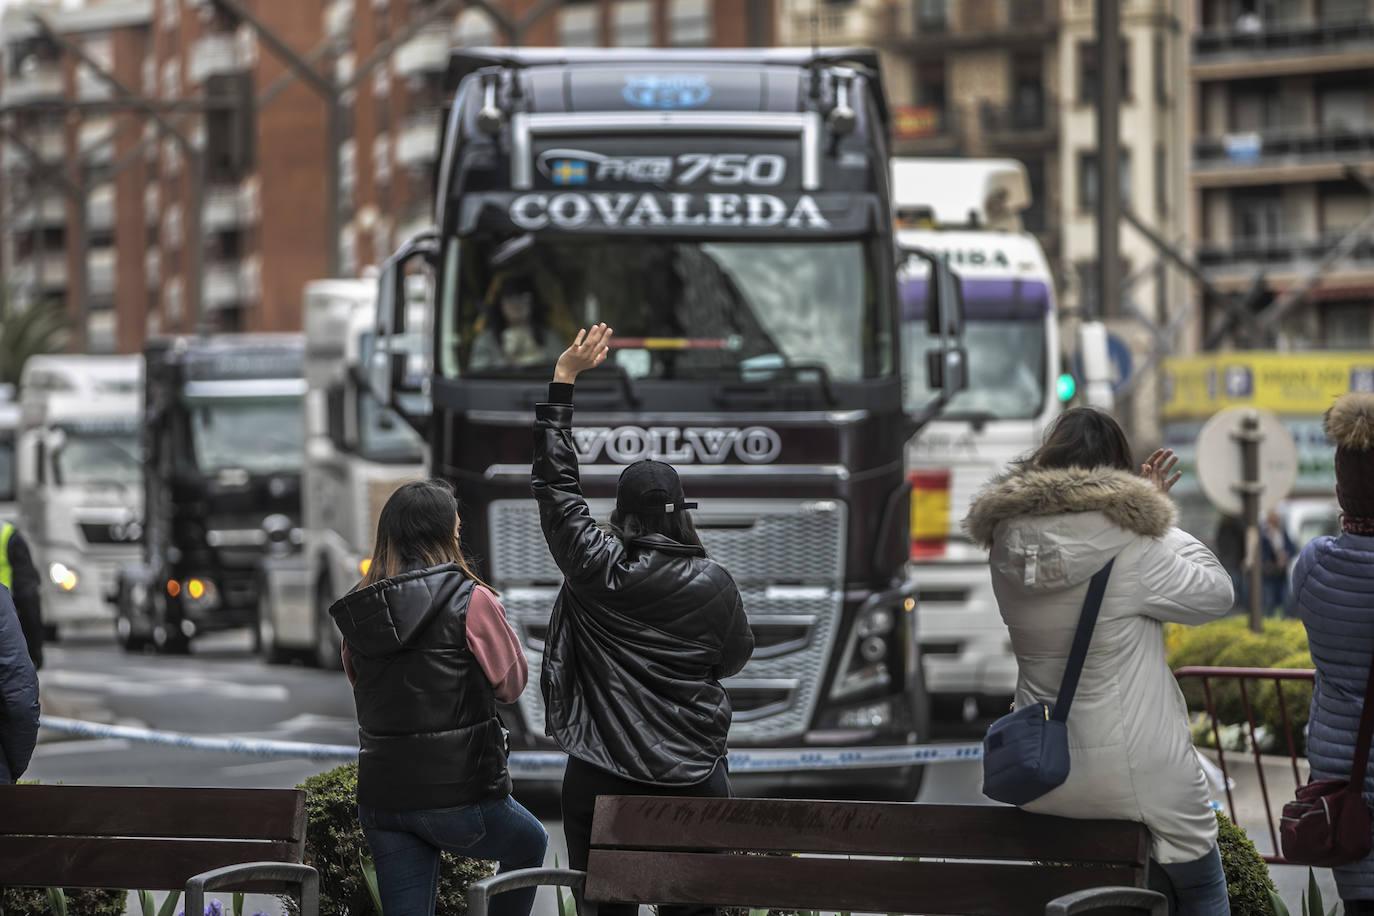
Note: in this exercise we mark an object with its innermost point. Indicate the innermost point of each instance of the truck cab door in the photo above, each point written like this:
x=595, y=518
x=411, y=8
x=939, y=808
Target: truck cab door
x=398, y=371
x=942, y=313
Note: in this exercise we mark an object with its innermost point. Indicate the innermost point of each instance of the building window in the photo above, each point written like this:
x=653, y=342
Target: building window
x=1161, y=180
x=1088, y=180
x=1087, y=72
x=579, y=26
x=1161, y=68
x=474, y=29
x=1344, y=108
x=689, y=23
x=1347, y=325
x=634, y=24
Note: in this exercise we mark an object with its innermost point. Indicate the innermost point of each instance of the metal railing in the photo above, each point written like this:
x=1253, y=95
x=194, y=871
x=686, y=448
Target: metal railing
x=1249, y=681
x=1018, y=117
x=1279, y=40
x=1280, y=251
x=1266, y=148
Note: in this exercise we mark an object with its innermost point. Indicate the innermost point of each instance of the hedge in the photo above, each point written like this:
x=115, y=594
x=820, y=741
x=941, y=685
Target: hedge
x=33, y=901
x=1247, y=877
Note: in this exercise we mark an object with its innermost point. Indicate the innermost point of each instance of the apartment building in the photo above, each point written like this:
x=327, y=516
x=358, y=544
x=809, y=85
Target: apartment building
x=1284, y=112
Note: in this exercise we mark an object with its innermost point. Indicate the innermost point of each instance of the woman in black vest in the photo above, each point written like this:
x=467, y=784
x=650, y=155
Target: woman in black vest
x=429, y=652
x=643, y=629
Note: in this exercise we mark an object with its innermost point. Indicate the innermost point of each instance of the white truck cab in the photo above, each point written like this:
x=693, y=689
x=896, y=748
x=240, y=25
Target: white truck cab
x=9, y=427
x=79, y=479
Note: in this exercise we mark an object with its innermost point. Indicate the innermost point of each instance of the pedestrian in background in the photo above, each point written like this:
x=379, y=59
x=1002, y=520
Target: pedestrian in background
x=1333, y=592
x=1051, y=523
x=1276, y=552
x=642, y=631
x=1229, y=546
x=18, y=696
x=19, y=574
x=429, y=653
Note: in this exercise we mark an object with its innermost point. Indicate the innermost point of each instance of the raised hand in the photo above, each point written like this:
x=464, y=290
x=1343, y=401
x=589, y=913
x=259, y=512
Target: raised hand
x=589, y=349
x=1158, y=467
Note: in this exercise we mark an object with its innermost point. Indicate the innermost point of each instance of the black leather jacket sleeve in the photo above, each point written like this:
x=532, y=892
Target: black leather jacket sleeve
x=580, y=548
x=27, y=600
x=738, y=646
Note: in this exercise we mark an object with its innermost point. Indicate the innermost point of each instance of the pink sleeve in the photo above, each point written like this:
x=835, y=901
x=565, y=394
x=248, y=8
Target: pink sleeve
x=495, y=646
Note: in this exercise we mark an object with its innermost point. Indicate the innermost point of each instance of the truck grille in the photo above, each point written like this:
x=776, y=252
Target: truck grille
x=787, y=557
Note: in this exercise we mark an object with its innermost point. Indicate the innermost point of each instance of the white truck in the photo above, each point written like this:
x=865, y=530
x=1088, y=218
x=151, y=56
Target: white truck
x=79, y=479
x=969, y=211
x=357, y=453
x=9, y=427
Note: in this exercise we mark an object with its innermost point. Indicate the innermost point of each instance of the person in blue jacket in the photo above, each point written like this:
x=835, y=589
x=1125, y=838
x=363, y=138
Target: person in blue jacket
x=18, y=695
x=1333, y=592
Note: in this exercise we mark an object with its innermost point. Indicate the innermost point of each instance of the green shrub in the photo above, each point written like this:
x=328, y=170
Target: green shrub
x=334, y=840
x=1247, y=877
x=33, y=901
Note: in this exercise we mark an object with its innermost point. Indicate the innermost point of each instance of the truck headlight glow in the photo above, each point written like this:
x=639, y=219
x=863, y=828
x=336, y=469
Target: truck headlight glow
x=63, y=576
x=364, y=565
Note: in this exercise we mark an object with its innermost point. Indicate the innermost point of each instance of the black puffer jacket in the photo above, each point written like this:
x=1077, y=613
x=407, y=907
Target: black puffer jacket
x=640, y=636
x=427, y=723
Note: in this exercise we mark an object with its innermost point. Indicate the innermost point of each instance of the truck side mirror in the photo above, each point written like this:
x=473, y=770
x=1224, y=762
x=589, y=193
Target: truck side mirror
x=387, y=374
x=947, y=362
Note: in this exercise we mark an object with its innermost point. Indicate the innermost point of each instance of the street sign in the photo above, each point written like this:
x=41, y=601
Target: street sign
x=1120, y=356
x=1220, y=471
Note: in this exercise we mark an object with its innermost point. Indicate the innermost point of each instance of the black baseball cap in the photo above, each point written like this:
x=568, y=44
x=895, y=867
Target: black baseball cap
x=650, y=487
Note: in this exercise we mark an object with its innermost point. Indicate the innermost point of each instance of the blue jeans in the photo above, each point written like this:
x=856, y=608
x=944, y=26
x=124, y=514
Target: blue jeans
x=406, y=844
x=1196, y=888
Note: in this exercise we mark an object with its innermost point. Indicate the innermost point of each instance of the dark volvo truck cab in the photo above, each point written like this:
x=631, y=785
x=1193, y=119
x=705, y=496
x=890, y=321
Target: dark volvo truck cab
x=727, y=213
x=223, y=448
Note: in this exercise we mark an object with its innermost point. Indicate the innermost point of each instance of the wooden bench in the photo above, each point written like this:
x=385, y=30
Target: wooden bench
x=157, y=839
x=951, y=859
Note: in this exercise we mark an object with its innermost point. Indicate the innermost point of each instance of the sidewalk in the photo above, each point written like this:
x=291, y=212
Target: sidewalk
x=1291, y=880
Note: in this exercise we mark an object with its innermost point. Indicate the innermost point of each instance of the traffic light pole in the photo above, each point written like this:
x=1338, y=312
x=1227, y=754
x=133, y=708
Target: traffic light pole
x=1108, y=158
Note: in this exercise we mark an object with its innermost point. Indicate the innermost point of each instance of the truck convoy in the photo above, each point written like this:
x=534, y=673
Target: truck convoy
x=969, y=212
x=221, y=471
x=728, y=213
x=357, y=451
x=78, y=479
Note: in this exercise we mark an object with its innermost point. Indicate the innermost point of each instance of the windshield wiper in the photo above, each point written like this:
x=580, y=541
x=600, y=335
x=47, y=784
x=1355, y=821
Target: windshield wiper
x=793, y=370
x=627, y=385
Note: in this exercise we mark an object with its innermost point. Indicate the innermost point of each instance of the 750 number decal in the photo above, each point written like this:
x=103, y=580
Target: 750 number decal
x=731, y=169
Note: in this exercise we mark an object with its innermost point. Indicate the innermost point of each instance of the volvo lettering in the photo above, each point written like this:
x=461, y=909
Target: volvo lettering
x=727, y=212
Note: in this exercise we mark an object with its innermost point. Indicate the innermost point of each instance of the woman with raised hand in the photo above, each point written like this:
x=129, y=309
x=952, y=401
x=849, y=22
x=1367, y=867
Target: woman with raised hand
x=1051, y=523
x=429, y=653
x=642, y=631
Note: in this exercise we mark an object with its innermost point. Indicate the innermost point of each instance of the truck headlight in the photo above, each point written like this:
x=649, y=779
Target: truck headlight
x=63, y=576
x=199, y=593
x=864, y=666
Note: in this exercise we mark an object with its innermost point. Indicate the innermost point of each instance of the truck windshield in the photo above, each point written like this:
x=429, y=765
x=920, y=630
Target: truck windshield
x=98, y=456
x=680, y=309
x=1006, y=339
x=261, y=435
x=6, y=470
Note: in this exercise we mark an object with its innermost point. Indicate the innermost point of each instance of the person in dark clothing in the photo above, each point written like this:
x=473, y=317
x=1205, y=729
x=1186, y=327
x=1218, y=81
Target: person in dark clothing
x=429, y=653
x=642, y=631
x=18, y=696
x=19, y=574
x=1276, y=551
x=1230, y=552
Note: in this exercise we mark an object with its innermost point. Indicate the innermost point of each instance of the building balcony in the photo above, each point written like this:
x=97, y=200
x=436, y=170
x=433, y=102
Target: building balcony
x=89, y=137
x=50, y=145
x=832, y=25
x=926, y=130
x=427, y=52
x=100, y=209
x=381, y=158
x=1282, y=49
x=1279, y=156
x=225, y=209
x=1243, y=258
x=49, y=212
x=46, y=272
x=225, y=286
x=40, y=83
x=152, y=268
x=418, y=143
x=1019, y=124
x=934, y=25
x=338, y=18
x=100, y=273
x=90, y=86
x=214, y=54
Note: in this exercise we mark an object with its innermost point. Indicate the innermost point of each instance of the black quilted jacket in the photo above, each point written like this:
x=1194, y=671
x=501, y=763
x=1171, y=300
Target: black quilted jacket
x=640, y=636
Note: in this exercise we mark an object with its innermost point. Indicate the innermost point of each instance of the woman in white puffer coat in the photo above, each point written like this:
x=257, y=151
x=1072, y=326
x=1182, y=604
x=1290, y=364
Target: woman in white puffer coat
x=1051, y=523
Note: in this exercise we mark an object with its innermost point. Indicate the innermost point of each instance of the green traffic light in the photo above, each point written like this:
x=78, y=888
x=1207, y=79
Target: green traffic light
x=1066, y=386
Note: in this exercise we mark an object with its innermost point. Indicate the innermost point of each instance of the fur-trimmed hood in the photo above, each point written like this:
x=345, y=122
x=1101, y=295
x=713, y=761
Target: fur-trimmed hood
x=1129, y=502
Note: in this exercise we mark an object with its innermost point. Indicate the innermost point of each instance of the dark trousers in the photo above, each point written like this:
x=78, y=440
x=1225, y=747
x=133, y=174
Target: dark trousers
x=1358, y=907
x=582, y=783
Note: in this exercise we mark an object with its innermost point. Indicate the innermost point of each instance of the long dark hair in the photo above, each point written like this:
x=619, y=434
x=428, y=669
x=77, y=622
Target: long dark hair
x=417, y=529
x=676, y=526
x=1083, y=437
x=495, y=319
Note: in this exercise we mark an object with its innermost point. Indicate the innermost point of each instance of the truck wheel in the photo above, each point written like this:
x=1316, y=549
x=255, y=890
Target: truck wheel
x=126, y=637
x=328, y=641
x=170, y=641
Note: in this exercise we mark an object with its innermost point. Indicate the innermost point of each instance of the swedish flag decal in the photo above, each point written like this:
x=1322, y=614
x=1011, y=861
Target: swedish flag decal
x=569, y=171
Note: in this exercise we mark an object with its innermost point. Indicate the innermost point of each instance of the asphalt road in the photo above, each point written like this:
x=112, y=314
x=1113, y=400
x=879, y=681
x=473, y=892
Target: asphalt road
x=223, y=690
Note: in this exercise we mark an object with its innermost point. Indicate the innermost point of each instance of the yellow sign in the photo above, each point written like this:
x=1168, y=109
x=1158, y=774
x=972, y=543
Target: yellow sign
x=1289, y=384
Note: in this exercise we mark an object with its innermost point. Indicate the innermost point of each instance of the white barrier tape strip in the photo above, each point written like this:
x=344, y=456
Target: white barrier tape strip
x=540, y=765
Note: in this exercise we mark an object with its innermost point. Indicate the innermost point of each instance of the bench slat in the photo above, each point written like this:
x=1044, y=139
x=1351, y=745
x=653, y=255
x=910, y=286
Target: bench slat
x=788, y=882
x=863, y=828
x=234, y=814
x=124, y=863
